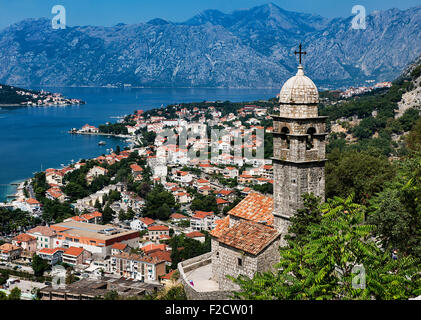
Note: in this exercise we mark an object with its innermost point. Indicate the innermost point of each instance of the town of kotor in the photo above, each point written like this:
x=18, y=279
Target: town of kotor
x=155, y=153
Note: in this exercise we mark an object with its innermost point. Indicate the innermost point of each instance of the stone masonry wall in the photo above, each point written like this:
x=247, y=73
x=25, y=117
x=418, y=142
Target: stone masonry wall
x=225, y=262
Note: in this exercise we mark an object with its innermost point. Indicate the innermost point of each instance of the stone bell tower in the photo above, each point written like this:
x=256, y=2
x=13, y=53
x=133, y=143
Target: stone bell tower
x=299, y=143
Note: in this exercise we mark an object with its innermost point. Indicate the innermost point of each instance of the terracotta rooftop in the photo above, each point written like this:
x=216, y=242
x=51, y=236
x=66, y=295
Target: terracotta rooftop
x=119, y=246
x=202, y=214
x=254, y=207
x=153, y=247
x=249, y=236
x=158, y=228
x=23, y=237
x=136, y=168
x=195, y=234
x=221, y=226
x=73, y=251
x=137, y=257
x=6, y=247
x=169, y=275
x=161, y=255
x=32, y=201
x=147, y=221
x=49, y=250
x=45, y=231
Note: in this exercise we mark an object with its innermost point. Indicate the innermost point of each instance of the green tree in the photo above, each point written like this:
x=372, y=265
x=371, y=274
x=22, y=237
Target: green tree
x=356, y=173
x=396, y=210
x=323, y=266
x=39, y=265
x=164, y=212
x=15, y=294
x=309, y=215
x=107, y=215
x=158, y=201
x=204, y=203
x=413, y=140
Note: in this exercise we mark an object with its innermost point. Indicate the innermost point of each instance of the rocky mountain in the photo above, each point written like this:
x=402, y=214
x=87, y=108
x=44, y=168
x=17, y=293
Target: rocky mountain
x=411, y=98
x=246, y=48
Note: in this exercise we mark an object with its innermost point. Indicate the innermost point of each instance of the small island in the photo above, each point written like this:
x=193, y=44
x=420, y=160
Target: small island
x=13, y=97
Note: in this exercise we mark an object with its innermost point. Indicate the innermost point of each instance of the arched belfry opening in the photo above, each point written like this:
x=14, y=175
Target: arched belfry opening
x=310, y=138
x=285, y=139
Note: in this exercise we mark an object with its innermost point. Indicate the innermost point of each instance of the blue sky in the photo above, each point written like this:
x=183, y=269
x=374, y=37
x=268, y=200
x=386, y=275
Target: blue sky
x=111, y=12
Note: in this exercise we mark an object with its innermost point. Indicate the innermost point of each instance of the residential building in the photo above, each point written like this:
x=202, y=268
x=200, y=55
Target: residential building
x=26, y=242
x=137, y=267
x=196, y=235
x=53, y=256
x=9, y=252
x=97, y=239
x=142, y=223
x=156, y=231
x=46, y=236
x=203, y=221
x=76, y=256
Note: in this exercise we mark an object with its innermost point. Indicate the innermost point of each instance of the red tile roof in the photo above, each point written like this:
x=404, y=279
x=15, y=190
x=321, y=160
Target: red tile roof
x=178, y=216
x=254, y=207
x=202, y=214
x=119, y=246
x=154, y=247
x=221, y=201
x=169, y=275
x=50, y=251
x=147, y=221
x=137, y=257
x=73, y=251
x=23, y=237
x=158, y=228
x=195, y=234
x=45, y=231
x=161, y=255
x=136, y=168
x=6, y=247
x=249, y=236
x=221, y=226
x=32, y=201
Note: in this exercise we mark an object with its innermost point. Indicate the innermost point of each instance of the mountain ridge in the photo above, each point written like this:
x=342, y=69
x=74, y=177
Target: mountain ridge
x=246, y=48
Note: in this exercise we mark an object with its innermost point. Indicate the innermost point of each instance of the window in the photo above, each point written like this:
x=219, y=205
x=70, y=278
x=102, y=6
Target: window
x=240, y=262
x=217, y=254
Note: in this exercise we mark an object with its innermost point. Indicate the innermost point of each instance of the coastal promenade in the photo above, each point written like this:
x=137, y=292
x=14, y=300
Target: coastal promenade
x=124, y=136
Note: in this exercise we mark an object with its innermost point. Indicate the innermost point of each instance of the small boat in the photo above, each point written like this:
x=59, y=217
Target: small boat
x=102, y=143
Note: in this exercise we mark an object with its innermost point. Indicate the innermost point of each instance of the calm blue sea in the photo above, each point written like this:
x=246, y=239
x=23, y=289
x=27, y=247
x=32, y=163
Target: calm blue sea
x=33, y=138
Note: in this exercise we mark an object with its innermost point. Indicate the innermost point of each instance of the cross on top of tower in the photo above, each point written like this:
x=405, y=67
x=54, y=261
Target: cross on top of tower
x=300, y=52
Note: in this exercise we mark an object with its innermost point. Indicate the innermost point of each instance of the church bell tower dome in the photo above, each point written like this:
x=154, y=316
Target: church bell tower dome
x=299, y=89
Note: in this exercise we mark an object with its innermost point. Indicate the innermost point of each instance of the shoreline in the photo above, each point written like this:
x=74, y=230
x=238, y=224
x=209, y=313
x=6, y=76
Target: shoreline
x=40, y=105
x=17, y=185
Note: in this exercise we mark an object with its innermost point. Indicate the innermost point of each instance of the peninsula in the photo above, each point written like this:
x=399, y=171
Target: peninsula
x=16, y=97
